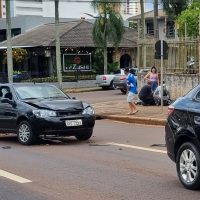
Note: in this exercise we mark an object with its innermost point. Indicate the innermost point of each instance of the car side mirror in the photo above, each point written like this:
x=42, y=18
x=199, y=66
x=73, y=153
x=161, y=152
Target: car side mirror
x=74, y=98
x=6, y=100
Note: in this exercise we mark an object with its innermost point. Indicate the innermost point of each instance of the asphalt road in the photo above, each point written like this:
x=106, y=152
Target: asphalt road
x=121, y=162
x=99, y=96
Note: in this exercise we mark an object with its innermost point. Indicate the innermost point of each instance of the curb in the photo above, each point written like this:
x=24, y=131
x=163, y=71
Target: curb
x=136, y=120
x=76, y=90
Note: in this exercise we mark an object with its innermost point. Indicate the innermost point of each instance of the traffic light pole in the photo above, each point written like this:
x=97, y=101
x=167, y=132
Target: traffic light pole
x=161, y=71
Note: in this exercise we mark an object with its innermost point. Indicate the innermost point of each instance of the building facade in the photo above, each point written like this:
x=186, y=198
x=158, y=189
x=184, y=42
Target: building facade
x=46, y=8
x=130, y=8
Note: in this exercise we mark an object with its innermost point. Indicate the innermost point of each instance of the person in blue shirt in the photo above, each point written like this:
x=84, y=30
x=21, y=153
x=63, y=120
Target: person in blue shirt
x=131, y=91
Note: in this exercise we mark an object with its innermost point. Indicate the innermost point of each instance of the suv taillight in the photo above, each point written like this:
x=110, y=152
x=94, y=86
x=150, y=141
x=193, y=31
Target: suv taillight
x=104, y=78
x=122, y=78
x=170, y=110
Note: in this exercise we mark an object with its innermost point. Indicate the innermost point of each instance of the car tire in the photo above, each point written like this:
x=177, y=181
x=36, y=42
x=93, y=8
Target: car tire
x=105, y=87
x=112, y=86
x=86, y=136
x=25, y=134
x=188, y=166
x=123, y=91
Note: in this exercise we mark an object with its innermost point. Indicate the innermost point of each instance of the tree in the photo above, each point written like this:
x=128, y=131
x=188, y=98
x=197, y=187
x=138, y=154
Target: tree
x=174, y=8
x=155, y=23
x=9, y=44
x=57, y=37
x=108, y=26
x=18, y=55
x=189, y=19
x=142, y=18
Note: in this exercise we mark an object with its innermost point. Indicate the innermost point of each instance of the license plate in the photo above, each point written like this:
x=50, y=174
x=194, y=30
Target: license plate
x=77, y=122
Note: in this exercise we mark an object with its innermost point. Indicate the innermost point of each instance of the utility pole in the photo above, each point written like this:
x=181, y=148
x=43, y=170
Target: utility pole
x=57, y=37
x=9, y=45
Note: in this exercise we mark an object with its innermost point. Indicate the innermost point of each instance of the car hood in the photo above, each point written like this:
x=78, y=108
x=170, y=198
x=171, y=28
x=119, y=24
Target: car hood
x=65, y=104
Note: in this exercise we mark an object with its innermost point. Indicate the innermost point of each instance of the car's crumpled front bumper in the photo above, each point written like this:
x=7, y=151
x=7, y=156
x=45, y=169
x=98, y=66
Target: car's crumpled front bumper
x=57, y=125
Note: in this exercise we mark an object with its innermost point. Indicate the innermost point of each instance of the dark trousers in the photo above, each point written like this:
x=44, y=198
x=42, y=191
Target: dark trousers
x=148, y=100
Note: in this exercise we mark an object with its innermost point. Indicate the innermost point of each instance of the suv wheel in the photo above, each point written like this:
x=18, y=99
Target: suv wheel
x=188, y=166
x=25, y=134
x=123, y=91
x=86, y=136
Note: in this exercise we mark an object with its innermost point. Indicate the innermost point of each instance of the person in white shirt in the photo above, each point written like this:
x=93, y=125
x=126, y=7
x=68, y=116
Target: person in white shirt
x=157, y=95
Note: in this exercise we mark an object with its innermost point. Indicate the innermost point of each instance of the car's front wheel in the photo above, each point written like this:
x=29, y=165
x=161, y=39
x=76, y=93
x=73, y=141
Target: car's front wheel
x=25, y=134
x=188, y=166
x=86, y=136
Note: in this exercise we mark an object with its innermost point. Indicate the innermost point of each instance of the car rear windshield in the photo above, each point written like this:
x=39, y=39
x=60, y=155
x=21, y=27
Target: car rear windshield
x=38, y=92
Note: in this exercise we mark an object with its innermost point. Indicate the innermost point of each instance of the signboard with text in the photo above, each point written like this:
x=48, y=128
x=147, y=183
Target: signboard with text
x=72, y=62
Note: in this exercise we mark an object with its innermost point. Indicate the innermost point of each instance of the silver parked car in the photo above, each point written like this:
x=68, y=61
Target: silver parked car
x=119, y=81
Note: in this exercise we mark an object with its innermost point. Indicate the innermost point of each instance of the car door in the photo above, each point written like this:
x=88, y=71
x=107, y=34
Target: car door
x=8, y=111
x=194, y=113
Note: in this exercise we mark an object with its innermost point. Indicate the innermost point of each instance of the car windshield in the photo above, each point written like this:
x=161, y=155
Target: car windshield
x=38, y=92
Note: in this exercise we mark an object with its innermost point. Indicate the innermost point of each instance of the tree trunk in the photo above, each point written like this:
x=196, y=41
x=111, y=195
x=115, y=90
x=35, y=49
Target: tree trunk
x=142, y=19
x=9, y=44
x=57, y=37
x=155, y=22
x=105, y=59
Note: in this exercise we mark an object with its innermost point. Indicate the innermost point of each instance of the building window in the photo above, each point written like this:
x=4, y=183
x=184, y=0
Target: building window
x=170, y=32
x=150, y=29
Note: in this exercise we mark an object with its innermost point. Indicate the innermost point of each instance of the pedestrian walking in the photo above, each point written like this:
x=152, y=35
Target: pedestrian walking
x=131, y=91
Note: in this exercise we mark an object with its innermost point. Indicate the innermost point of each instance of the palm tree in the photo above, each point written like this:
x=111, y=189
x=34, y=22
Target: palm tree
x=57, y=38
x=174, y=8
x=155, y=23
x=142, y=18
x=108, y=26
x=9, y=44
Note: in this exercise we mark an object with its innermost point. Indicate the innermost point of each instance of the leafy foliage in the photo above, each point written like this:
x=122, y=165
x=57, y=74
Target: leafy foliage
x=18, y=54
x=108, y=26
x=190, y=18
x=174, y=8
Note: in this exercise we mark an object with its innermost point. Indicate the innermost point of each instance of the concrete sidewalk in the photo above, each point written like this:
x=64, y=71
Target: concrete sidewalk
x=117, y=110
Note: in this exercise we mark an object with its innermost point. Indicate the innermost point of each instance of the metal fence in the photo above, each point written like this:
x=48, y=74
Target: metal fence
x=183, y=56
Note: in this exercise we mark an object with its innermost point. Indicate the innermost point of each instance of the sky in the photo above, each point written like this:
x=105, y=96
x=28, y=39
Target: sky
x=80, y=8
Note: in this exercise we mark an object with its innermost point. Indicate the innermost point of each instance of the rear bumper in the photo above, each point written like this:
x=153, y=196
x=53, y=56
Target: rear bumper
x=120, y=85
x=106, y=84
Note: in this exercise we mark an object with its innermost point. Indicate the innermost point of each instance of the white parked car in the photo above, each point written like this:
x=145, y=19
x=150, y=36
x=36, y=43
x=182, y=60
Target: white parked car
x=106, y=80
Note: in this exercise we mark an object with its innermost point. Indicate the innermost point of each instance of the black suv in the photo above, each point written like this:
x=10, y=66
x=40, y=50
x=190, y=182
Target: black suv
x=183, y=137
x=31, y=110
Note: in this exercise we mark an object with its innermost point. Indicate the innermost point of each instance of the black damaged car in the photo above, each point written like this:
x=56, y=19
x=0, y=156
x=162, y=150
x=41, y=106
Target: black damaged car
x=33, y=110
x=183, y=137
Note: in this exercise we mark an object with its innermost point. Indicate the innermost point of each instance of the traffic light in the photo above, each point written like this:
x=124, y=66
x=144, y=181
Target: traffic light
x=158, y=50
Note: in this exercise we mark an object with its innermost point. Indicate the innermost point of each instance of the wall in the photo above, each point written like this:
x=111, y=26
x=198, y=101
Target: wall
x=178, y=84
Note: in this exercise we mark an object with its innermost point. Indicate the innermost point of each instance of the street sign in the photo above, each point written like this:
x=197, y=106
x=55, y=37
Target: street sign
x=158, y=50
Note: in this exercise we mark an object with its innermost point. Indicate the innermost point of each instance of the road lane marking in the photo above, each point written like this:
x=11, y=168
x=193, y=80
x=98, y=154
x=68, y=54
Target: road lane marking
x=13, y=177
x=137, y=147
x=136, y=124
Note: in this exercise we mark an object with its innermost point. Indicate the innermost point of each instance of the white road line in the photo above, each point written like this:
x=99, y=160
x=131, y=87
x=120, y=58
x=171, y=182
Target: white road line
x=135, y=124
x=13, y=177
x=137, y=147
